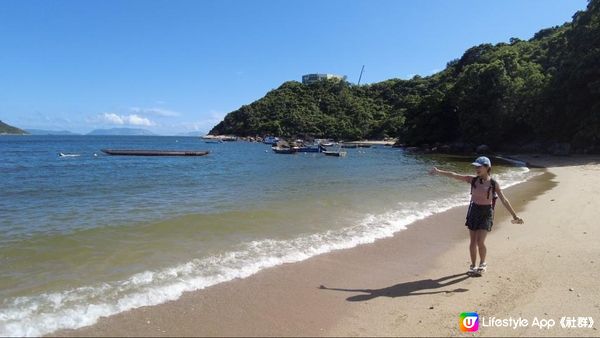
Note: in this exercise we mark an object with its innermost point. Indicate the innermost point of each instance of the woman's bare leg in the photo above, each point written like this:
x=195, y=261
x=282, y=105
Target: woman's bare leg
x=473, y=246
x=481, y=234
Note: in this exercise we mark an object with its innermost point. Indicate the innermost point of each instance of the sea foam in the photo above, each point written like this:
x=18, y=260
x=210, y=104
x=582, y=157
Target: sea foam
x=71, y=309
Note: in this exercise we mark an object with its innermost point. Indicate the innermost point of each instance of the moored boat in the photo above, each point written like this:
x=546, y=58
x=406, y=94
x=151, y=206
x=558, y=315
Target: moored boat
x=335, y=153
x=283, y=150
x=145, y=152
x=271, y=140
x=311, y=149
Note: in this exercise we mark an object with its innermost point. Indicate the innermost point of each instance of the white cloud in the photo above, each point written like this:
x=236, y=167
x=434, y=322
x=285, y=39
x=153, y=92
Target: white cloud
x=132, y=119
x=112, y=118
x=154, y=111
x=137, y=120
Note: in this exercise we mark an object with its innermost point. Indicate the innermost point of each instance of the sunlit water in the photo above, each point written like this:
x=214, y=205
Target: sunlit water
x=89, y=236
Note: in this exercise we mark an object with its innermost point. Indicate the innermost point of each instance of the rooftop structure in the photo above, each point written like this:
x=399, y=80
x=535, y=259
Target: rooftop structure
x=312, y=78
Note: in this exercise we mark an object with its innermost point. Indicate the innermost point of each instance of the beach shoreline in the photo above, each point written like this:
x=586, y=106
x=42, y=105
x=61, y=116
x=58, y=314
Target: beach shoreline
x=377, y=285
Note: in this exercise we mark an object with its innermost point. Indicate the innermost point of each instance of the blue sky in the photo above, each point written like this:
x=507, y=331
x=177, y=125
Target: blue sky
x=178, y=66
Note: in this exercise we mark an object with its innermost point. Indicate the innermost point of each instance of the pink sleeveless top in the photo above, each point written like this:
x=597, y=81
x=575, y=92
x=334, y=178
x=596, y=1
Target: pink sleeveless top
x=480, y=194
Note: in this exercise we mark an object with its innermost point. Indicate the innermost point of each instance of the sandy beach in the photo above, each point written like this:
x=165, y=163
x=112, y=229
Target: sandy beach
x=414, y=284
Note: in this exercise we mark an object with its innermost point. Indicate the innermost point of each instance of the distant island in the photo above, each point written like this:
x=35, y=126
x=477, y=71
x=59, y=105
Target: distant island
x=122, y=132
x=49, y=132
x=524, y=95
x=6, y=129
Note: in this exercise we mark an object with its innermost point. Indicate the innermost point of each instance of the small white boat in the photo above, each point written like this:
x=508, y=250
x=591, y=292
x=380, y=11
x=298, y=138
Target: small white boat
x=271, y=140
x=68, y=155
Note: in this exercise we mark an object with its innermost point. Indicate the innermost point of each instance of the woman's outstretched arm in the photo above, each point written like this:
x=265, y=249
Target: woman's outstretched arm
x=436, y=171
x=506, y=203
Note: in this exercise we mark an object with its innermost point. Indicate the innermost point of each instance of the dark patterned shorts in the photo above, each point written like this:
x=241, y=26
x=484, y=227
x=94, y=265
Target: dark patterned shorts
x=480, y=217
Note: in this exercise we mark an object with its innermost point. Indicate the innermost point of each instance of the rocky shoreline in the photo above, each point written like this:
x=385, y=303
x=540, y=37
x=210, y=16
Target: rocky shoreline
x=461, y=148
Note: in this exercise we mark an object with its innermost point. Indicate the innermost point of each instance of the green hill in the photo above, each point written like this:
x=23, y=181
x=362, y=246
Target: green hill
x=543, y=90
x=6, y=129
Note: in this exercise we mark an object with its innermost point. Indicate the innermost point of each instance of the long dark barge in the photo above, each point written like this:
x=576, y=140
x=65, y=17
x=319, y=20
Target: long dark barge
x=135, y=152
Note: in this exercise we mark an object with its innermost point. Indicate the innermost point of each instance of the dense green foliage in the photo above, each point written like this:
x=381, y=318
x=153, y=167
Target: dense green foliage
x=546, y=89
x=7, y=129
x=327, y=108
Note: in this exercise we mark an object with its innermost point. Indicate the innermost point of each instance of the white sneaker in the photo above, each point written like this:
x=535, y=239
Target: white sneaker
x=482, y=267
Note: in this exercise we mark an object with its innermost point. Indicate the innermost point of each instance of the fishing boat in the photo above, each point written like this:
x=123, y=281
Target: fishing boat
x=271, y=140
x=283, y=150
x=354, y=145
x=311, y=149
x=138, y=152
x=335, y=153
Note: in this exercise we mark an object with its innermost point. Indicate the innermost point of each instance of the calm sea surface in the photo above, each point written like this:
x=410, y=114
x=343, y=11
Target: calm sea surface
x=93, y=235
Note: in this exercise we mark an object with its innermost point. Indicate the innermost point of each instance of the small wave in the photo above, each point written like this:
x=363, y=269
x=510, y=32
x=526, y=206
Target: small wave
x=46, y=313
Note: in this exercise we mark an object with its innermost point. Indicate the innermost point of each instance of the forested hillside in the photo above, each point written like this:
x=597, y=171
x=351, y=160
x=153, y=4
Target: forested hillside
x=10, y=130
x=540, y=91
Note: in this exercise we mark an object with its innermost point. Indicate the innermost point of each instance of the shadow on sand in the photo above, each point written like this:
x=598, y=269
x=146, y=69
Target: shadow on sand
x=406, y=289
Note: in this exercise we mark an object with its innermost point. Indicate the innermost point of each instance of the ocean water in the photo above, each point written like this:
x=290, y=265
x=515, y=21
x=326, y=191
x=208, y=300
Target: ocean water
x=93, y=235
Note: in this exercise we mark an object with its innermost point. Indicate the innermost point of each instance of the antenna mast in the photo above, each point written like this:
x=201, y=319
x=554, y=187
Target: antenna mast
x=361, y=73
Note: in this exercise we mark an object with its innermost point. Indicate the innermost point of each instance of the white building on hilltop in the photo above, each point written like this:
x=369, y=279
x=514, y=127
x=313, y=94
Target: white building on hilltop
x=312, y=78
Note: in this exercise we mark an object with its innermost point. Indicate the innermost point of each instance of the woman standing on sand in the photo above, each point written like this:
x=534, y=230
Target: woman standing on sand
x=480, y=216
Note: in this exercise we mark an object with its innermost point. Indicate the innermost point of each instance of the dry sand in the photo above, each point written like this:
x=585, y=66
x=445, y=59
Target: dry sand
x=414, y=283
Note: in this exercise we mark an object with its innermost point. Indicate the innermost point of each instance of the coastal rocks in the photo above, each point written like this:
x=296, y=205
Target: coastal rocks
x=465, y=148
x=251, y=139
x=413, y=150
x=462, y=148
x=560, y=149
x=458, y=148
x=531, y=147
x=444, y=149
x=483, y=149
